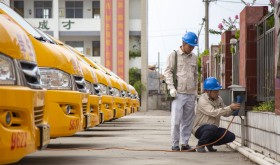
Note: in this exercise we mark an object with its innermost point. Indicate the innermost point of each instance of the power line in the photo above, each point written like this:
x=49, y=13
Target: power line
x=228, y=9
x=167, y=35
x=228, y=1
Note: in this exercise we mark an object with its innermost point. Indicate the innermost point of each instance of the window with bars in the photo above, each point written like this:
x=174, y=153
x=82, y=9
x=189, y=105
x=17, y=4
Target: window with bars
x=74, y=9
x=95, y=48
x=95, y=9
x=19, y=7
x=43, y=9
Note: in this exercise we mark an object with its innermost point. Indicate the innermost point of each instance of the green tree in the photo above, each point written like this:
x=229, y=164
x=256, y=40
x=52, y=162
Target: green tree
x=204, y=53
x=135, y=80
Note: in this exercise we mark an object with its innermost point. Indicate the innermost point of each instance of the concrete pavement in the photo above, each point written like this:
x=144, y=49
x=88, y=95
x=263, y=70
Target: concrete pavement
x=141, y=131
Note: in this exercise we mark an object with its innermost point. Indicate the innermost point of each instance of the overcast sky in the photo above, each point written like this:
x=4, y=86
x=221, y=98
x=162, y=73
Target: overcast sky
x=169, y=19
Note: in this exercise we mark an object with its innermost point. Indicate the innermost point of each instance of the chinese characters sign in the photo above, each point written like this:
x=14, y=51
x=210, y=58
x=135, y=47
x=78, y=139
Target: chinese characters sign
x=43, y=25
x=108, y=34
x=120, y=38
x=67, y=25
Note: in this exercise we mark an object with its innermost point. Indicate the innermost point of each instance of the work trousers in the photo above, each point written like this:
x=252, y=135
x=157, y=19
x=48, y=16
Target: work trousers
x=182, y=116
x=209, y=133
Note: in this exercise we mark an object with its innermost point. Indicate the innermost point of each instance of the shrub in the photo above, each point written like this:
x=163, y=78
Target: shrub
x=268, y=106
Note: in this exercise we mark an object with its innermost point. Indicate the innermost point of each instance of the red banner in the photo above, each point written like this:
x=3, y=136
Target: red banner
x=120, y=38
x=108, y=34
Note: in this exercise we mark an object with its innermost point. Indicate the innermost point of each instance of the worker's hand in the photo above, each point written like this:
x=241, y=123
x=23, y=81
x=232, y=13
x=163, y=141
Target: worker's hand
x=235, y=113
x=173, y=92
x=234, y=106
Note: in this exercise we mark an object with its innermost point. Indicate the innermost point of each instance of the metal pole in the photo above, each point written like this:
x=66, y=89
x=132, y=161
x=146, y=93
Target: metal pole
x=242, y=131
x=158, y=73
x=198, y=34
x=206, y=24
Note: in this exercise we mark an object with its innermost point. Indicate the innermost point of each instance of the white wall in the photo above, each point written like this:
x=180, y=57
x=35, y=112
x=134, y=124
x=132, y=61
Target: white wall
x=135, y=62
x=262, y=132
x=87, y=43
x=88, y=9
x=80, y=24
x=29, y=5
x=135, y=25
x=135, y=9
x=35, y=23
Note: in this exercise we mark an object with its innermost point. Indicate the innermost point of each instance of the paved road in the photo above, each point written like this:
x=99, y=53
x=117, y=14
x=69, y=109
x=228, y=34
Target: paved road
x=141, y=131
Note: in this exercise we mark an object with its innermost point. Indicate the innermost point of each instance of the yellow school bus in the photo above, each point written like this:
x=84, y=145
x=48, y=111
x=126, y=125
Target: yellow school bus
x=119, y=101
x=134, y=99
x=125, y=93
x=91, y=113
x=104, y=87
x=91, y=117
x=23, y=129
x=65, y=98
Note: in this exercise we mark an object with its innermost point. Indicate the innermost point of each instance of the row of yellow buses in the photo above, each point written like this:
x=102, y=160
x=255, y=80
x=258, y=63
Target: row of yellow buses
x=49, y=89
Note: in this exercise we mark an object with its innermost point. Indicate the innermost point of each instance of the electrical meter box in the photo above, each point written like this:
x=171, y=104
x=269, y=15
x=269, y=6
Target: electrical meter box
x=235, y=94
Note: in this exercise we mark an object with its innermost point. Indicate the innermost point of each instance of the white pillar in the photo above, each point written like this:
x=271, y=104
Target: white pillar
x=126, y=37
x=144, y=55
x=114, y=37
x=56, y=19
x=102, y=32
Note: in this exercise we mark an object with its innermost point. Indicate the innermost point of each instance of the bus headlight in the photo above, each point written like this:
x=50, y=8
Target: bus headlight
x=89, y=88
x=55, y=79
x=7, y=71
x=103, y=89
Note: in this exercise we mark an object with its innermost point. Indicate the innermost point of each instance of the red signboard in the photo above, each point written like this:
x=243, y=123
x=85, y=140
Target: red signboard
x=108, y=34
x=120, y=38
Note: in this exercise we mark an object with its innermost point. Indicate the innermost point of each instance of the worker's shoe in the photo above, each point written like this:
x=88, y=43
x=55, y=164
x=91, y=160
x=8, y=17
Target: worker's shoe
x=187, y=148
x=175, y=148
x=200, y=149
x=211, y=149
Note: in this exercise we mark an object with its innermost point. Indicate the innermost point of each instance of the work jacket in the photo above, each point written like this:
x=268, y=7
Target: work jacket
x=209, y=111
x=186, y=72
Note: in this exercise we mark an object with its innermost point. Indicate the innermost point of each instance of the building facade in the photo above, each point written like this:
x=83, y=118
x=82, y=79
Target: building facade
x=105, y=30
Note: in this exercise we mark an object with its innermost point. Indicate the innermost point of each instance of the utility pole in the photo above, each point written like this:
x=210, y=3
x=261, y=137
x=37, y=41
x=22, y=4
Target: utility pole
x=198, y=34
x=158, y=72
x=206, y=24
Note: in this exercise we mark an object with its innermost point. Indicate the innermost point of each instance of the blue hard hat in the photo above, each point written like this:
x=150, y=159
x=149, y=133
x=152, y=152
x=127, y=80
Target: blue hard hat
x=211, y=83
x=190, y=38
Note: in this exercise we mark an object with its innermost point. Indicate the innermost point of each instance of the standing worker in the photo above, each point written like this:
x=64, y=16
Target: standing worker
x=210, y=108
x=184, y=91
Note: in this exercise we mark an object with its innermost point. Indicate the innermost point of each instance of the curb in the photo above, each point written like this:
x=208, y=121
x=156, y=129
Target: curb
x=252, y=155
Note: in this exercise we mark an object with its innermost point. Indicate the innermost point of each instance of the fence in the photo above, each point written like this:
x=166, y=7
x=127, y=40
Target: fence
x=265, y=58
x=235, y=64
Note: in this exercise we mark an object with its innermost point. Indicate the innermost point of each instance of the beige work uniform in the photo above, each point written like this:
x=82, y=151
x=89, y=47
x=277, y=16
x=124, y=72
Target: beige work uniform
x=182, y=110
x=209, y=111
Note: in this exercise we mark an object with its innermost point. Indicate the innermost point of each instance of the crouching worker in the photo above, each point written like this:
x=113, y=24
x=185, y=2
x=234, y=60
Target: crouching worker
x=210, y=108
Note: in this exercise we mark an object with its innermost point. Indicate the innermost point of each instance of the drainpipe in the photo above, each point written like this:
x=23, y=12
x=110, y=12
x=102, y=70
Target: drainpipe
x=252, y=155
